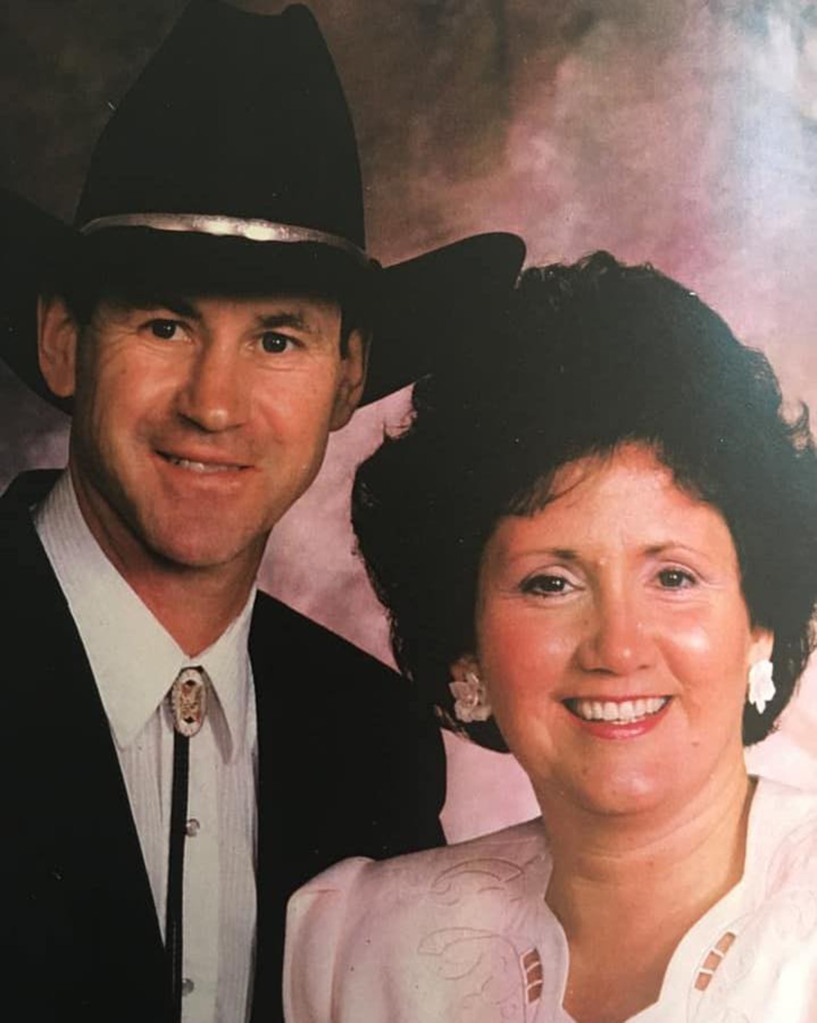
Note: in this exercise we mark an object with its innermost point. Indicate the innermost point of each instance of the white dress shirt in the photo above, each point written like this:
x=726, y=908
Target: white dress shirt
x=135, y=661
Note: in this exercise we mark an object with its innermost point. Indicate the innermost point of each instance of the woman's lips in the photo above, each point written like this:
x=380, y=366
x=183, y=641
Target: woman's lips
x=616, y=712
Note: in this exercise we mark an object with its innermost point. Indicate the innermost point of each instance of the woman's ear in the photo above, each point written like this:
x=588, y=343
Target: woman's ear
x=471, y=700
x=464, y=665
x=761, y=646
x=57, y=334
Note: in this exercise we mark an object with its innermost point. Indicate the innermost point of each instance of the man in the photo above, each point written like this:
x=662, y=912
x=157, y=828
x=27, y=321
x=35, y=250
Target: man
x=181, y=752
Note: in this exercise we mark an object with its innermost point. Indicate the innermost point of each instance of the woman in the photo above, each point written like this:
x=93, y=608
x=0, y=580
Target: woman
x=598, y=544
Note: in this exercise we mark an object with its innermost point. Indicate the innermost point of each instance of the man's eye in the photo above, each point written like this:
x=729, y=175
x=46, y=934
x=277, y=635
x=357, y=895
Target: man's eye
x=275, y=343
x=166, y=330
x=675, y=578
x=545, y=583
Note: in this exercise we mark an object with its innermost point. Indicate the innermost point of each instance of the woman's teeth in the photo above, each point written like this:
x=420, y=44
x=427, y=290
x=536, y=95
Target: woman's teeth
x=619, y=713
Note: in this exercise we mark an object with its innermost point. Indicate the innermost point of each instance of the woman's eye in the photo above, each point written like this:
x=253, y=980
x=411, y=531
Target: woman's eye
x=166, y=330
x=275, y=343
x=546, y=584
x=675, y=578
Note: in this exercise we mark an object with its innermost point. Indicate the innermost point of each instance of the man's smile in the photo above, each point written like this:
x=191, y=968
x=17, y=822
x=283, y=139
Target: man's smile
x=205, y=466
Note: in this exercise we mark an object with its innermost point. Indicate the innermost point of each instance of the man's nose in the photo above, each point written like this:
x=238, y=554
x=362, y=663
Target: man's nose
x=213, y=394
x=616, y=638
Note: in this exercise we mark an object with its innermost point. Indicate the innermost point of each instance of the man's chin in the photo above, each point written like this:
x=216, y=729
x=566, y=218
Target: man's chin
x=207, y=552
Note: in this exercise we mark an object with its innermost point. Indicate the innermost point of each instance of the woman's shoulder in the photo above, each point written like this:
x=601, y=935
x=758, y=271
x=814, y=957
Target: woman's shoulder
x=783, y=839
x=494, y=859
x=424, y=911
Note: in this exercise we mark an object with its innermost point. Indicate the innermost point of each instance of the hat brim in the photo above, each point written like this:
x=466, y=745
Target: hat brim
x=35, y=250
x=422, y=312
x=428, y=312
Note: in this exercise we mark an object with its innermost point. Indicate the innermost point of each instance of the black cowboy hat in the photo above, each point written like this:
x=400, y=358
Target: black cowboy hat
x=231, y=166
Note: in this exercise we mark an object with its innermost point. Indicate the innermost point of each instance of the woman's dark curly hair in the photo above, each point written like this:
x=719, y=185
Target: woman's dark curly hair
x=593, y=355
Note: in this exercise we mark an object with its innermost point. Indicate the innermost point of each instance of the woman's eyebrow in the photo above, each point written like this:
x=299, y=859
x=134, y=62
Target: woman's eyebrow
x=670, y=545
x=560, y=553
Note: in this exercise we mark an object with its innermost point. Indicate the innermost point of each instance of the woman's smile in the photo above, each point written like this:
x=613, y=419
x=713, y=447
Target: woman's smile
x=619, y=712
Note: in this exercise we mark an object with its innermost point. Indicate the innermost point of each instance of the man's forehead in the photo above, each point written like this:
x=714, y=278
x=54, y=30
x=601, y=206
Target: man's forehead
x=294, y=305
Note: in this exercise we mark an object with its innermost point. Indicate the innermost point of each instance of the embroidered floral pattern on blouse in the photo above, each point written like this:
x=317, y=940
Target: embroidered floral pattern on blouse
x=788, y=923
x=487, y=977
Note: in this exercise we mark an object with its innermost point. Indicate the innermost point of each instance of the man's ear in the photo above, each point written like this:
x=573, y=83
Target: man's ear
x=353, y=365
x=57, y=334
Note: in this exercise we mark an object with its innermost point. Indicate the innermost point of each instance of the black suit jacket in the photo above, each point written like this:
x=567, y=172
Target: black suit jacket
x=348, y=764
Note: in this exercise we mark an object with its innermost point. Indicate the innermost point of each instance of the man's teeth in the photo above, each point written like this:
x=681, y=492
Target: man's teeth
x=186, y=463
x=619, y=713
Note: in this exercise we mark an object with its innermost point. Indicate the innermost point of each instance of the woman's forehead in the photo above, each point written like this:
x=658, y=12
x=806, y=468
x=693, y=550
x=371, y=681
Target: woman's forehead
x=626, y=493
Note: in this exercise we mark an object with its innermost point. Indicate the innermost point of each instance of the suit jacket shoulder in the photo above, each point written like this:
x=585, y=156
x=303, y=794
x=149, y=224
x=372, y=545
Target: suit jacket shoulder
x=357, y=758
x=336, y=673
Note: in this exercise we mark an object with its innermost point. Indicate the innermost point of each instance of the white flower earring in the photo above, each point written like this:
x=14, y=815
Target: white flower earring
x=761, y=685
x=470, y=698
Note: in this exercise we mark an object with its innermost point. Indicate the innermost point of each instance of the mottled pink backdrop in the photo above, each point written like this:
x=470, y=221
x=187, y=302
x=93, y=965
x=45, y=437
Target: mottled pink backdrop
x=676, y=131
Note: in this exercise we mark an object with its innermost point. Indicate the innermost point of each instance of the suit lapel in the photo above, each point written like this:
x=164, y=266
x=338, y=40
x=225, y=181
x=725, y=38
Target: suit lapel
x=89, y=885
x=271, y=890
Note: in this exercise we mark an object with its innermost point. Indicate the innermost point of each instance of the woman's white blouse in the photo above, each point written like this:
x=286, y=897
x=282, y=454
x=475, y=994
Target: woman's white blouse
x=462, y=934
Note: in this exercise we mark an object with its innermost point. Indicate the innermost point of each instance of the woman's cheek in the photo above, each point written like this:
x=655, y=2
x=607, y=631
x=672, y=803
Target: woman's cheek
x=522, y=657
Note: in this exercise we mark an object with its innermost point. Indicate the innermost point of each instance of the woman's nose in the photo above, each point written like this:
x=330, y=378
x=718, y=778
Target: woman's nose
x=213, y=393
x=615, y=639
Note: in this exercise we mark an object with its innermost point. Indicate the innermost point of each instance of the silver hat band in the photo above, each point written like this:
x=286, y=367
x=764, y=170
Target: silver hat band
x=232, y=227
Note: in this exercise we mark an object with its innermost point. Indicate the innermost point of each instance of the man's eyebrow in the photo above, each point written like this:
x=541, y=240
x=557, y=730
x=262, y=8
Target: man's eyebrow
x=181, y=307
x=283, y=319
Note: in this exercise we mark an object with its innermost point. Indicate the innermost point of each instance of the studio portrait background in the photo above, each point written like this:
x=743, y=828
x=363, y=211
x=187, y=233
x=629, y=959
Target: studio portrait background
x=680, y=132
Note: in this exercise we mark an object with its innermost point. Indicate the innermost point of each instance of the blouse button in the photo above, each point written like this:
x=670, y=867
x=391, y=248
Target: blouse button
x=192, y=828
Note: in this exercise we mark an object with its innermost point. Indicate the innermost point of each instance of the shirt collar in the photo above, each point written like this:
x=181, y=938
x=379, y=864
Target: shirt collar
x=133, y=658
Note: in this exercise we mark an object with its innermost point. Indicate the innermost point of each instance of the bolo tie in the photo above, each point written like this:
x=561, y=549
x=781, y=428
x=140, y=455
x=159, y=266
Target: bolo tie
x=188, y=706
